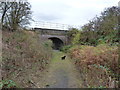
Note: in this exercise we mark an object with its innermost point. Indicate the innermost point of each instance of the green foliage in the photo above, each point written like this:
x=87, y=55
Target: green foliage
x=98, y=88
x=76, y=38
x=101, y=41
x=72, y=35
x=66, y=48
x=102, y=29
x=48, y=43
x=7, y=84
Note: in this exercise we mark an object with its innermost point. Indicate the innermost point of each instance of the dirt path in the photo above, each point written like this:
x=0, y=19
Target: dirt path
x=61, y=74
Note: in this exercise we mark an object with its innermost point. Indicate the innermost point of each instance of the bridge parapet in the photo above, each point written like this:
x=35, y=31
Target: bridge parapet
x=51, y=31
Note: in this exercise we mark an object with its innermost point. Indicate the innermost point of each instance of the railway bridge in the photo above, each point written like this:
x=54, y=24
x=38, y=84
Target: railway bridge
x=58, y=37
x=55, y=32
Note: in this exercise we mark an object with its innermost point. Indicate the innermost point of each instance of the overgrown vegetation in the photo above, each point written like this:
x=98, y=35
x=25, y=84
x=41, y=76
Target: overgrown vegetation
x=23, y=55
x=98, y=66
x=94, y=50
x=100, y=30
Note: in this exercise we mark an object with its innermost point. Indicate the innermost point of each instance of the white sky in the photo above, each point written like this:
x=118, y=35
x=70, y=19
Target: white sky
x=73, y=12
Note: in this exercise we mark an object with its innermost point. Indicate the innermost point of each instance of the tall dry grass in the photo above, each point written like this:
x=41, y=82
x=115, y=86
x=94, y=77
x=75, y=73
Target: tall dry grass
x=98, y=66
x=23, y=54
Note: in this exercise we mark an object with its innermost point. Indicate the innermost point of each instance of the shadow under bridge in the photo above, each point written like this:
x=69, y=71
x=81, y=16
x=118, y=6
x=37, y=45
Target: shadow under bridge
x=57, y=43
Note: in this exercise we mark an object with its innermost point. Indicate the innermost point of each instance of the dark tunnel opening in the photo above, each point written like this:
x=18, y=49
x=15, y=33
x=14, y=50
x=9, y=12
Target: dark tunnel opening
x=57, y=43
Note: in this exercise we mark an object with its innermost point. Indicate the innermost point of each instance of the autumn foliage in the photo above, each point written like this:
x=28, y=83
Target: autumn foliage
x=99, y=65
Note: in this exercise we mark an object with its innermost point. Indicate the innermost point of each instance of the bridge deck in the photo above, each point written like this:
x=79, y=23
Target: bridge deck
x=49, y=29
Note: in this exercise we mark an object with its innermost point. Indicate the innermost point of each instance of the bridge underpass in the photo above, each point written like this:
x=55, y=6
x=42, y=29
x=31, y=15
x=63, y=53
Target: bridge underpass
x=57, y=43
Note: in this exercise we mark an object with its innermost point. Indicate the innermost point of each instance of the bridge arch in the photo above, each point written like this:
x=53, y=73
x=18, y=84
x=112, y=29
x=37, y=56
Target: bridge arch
x=57, y=42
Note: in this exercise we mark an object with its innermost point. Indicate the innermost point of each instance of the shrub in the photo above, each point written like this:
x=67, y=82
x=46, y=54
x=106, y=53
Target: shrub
x=65, y=48
x=98, y=65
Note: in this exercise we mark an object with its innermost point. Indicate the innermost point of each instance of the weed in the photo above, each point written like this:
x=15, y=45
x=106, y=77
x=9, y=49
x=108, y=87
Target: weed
x=7, y=84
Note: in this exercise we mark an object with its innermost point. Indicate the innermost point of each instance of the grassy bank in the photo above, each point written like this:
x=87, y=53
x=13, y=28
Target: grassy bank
x=97, y=65
x=23, y=55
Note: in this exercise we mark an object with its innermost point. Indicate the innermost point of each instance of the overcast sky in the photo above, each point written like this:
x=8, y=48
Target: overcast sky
x=73, y=12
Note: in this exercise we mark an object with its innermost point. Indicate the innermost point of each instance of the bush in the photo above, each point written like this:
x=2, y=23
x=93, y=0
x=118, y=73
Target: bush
x=98, y=65
x=65, y=48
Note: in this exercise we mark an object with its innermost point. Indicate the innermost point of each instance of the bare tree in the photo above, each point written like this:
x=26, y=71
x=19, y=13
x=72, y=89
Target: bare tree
x=15, y=14
x=4, y=6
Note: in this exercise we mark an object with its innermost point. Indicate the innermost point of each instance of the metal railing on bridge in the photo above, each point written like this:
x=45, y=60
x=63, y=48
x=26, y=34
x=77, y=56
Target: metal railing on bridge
x=50, y=25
